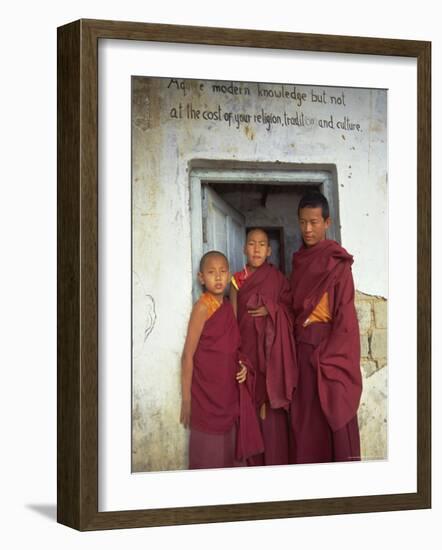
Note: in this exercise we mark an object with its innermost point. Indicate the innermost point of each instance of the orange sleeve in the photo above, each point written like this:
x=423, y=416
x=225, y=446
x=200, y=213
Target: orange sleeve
x=321, y=313
x=234, y=283
x=211, y=303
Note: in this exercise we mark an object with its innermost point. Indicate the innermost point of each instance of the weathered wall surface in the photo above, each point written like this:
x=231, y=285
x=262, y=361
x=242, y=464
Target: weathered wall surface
x=373, y=410
x=175, y=122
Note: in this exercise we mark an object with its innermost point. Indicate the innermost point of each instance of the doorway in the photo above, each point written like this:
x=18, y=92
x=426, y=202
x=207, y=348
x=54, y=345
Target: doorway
x=225, y=203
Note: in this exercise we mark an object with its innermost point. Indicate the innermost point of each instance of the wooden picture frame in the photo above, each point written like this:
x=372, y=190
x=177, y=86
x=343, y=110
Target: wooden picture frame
x=77, y=225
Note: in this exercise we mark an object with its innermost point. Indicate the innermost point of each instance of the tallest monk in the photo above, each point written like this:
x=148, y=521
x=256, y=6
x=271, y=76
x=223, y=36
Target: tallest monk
x=325, y=404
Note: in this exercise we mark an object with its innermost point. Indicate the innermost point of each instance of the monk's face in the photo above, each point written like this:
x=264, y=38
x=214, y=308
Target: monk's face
x=257, y=248
x=313, y=225
x=215, y=274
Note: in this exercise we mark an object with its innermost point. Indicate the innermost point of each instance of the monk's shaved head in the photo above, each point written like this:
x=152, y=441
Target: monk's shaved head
x=211, y=254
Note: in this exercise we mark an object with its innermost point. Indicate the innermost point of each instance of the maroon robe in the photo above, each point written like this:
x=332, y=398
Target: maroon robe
x=223, y=422
x=324, y=408
x=268, y=342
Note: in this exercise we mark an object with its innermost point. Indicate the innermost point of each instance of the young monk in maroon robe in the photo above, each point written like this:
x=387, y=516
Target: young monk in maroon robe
x=324, y=408
x=224, y=428
x=261, y=297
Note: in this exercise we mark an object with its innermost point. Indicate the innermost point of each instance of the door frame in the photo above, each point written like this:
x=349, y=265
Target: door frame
x=207, y=172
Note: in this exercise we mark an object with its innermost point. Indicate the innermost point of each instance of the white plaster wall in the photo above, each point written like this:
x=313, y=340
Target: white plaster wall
x=360, y=156
x=163, y=146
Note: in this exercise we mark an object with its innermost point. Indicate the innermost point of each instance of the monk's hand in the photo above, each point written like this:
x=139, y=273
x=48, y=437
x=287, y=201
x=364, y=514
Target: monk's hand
x=241, y=375
x=185, y=413
x=263, y=411
x=258, y=312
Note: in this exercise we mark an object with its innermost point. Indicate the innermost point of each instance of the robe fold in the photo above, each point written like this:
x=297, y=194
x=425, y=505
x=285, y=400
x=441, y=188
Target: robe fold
x=219, y=405
x=326, y=402
x=249, y=440
x=269, y=343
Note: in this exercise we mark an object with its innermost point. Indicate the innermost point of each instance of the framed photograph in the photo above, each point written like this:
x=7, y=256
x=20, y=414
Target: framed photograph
x=174, y=141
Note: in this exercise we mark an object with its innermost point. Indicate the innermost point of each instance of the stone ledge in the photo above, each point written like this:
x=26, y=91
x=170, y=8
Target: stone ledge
x=379, y=343
x=380, y=314
x=368, y=368
x=363, y=311
x=365, y=345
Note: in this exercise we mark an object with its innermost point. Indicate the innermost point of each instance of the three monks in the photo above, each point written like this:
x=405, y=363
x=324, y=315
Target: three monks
x=300, y=343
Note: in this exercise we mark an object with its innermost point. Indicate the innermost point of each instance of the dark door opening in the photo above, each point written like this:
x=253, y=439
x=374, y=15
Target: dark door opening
x=271, y=206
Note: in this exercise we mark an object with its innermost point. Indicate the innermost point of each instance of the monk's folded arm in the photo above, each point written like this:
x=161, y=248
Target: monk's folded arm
x=241, y=375
x=261, y=311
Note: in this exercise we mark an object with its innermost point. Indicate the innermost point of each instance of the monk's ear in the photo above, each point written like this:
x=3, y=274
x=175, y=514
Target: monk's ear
x=269, y=251
x=327, y=223
x=200, y=277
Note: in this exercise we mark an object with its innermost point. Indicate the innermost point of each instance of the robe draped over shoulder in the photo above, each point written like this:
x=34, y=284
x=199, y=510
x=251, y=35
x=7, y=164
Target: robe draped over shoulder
x=326, y=268
x=215, y=394
x=268, y=341
x=217, y=400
